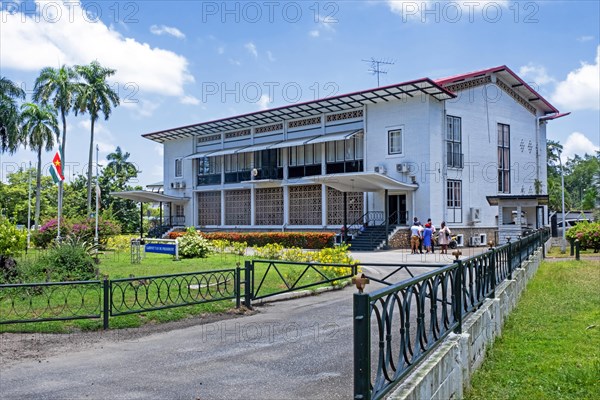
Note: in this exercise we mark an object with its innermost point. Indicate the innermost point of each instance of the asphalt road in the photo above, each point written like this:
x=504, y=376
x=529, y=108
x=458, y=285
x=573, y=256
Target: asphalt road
x=295, y=349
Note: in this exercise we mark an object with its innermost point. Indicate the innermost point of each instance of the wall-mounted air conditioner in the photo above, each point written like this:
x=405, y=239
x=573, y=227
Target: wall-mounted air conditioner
x=380, y=169
x=475, y=241
x=182, y=185
x=460, y=240
x=475, y=214
x=403, y=168
x=172, y=185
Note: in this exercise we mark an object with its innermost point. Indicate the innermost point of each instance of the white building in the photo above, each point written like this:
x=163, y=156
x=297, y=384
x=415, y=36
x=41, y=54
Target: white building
x=469, y=150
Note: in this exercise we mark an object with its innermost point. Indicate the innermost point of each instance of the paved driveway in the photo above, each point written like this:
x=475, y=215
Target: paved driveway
x=292, y=349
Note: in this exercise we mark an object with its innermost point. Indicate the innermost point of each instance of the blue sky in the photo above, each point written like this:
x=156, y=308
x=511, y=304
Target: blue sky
x=183, y=62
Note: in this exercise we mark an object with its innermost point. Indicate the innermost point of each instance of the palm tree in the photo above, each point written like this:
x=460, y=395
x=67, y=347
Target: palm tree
x=94, y=96
x=39, y=125
x=57, y=87
x=9, y=115
x=122, y=169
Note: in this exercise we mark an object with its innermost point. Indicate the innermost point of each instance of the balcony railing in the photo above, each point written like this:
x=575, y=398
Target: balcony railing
x=211, y=179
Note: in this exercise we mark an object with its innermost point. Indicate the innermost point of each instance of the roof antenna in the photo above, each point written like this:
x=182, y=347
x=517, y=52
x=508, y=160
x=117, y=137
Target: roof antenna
x=375, y=67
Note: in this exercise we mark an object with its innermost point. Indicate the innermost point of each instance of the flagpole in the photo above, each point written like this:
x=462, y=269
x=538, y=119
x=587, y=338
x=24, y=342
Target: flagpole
x=97, y=200
x=29, y=207
x=58, y=202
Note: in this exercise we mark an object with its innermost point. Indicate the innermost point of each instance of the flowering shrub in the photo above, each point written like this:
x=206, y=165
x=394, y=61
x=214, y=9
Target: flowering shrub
x=588, y=234
x=220, y=245
x=70, y=260
x=270, y=251
x=83, y=229
x=337, y=255
x=296, y=254
x=12, y=240
x=193, y=245
x=304, y=240
x=119, y=242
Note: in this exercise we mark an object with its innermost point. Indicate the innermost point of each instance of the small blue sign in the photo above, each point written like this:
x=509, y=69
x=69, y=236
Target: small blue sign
x=160, y=248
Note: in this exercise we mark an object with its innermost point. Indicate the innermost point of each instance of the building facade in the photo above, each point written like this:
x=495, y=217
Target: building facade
x=436, y=149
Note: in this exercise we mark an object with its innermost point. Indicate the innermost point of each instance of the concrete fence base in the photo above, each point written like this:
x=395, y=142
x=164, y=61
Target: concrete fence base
x=448, y=370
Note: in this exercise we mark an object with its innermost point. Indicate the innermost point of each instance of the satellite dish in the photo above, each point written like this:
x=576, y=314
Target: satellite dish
x=254, y=172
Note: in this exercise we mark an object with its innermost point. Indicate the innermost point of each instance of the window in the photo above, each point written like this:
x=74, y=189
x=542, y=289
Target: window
x=209, y=165
x=178, y=168
x=503, y=158
x=308, y=154
x=454, y=200
x=454, y=155
x=343, y=150
x=238, y=162
x=395, y=141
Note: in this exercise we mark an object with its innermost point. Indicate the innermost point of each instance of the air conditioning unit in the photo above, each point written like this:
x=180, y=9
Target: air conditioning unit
x=475, y=241
x=254, y=172
x=403, y=168
x=182, y=185
x=475, y=214
x=177, y=185
x=380, y=169
x=172, y=185
x=460, y=240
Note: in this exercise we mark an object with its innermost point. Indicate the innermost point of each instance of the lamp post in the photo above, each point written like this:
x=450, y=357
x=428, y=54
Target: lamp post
x=563, y=245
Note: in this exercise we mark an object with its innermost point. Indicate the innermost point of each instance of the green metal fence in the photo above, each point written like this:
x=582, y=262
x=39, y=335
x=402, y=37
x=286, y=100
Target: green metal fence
x=396, y=327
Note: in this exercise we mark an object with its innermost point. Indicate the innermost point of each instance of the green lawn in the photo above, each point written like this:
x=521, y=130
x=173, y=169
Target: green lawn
x=118, y=265
x=555, y=252
x=550, y=344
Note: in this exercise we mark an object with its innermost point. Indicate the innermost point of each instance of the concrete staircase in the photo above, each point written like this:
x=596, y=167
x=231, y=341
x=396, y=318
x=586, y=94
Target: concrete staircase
x=372, y=238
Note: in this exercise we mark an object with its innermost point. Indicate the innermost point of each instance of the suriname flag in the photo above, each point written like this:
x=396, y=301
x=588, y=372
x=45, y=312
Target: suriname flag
x=56, y=168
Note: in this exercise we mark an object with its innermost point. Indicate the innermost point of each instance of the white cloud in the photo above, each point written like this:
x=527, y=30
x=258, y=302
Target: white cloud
x=143, y=108
x=235, y=62
x=580, y=90
x=167, y=30
x=31, y=42
x=314, y=33
x=264, y=102
x=324, y=24
x=578, y=143
x=535, y=74
x=102, y=137
x=251, y=47
x=191, y=100
x=270, y=56
x=160, y=150
x=221, y=50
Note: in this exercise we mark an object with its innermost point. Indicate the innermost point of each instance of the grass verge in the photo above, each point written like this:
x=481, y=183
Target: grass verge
x=550, y=344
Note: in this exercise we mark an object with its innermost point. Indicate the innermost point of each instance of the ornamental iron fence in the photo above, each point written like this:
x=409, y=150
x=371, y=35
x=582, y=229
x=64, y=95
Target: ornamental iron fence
x=397, y=326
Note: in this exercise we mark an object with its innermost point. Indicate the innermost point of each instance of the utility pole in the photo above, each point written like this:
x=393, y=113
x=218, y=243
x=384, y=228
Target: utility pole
x=97, y=200
x=375, y=67
x=563, y=245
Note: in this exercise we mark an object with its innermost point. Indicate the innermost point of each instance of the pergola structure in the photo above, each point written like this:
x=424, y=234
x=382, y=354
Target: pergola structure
x=145, y=196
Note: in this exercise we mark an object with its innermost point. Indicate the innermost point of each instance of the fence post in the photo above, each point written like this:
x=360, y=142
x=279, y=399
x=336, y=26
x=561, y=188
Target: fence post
x=458, y=296
x=247, y=284
x=362, y=346
x=238, y=286
x=572, y=242
x=577, y=249
x=492, y=274
x=106, y=302
x=509, y=260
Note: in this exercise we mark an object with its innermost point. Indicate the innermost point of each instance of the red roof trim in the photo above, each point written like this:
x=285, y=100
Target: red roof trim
x=555, y=116
x=462, y=77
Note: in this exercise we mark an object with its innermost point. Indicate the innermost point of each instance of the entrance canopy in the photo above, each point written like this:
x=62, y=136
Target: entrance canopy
x=362, y=182
x=144, y=196
x=513, y=199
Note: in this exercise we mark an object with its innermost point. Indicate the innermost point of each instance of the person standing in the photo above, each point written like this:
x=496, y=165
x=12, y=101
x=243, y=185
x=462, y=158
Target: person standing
x=414, y=237
x=427, y=235
x=444, y=237
x=433, y=231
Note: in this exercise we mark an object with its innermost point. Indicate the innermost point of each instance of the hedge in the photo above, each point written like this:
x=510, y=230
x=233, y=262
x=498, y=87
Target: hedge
x=588, y=234
x=305, y=240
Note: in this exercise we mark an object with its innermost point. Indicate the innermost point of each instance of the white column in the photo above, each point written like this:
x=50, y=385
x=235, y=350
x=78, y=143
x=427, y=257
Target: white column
x=222, y=207
x=286, y=205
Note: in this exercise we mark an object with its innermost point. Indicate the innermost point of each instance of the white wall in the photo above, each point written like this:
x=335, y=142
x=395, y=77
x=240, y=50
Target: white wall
x=479, y=133
x=174, y=149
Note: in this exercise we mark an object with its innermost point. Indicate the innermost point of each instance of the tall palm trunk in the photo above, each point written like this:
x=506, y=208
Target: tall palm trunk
x=89, y=174
x=38, y=189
